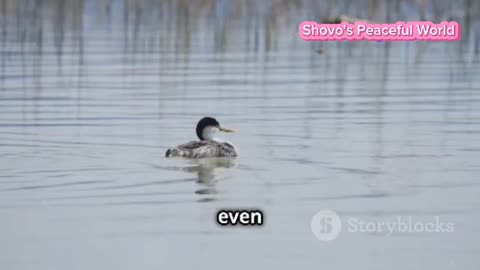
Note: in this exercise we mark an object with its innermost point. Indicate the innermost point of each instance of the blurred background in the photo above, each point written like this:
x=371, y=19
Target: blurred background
x=92, y=93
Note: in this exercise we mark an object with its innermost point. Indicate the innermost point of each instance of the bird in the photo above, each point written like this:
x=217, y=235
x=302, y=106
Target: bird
x=208, y=146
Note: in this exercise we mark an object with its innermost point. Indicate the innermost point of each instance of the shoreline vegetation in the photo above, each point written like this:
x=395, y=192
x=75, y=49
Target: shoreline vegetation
x=179, y=25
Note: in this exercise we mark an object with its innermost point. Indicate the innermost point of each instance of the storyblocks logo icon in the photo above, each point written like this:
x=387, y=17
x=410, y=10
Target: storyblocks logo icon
x=326, y=225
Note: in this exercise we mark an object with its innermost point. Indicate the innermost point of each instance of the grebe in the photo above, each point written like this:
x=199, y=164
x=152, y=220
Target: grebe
x=208, y=146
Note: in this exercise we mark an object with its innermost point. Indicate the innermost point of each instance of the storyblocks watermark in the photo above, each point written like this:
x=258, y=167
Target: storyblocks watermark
x=327, y=225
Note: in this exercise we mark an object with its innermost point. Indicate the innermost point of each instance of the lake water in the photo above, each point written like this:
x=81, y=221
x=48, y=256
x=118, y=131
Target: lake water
x=92, y=94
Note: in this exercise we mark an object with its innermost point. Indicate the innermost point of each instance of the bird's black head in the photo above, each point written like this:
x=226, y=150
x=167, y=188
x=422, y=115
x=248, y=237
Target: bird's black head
x=205, y=122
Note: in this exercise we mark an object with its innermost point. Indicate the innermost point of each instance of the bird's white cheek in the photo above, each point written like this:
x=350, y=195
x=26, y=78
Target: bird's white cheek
x=209, y=133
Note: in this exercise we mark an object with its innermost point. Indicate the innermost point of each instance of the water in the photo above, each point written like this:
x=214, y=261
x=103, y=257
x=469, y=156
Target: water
x=93, y=93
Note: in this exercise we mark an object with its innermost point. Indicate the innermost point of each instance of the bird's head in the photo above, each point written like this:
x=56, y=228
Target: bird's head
x=207, y=127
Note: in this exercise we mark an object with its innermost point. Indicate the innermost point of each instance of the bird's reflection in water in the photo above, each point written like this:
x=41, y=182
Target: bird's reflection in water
x=207, y=170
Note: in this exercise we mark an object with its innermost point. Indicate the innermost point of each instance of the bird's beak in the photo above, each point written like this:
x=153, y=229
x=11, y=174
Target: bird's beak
x=226, y=129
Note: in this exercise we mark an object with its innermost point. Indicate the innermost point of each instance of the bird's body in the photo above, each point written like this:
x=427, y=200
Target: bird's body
x=203, y=149
x=208, y=146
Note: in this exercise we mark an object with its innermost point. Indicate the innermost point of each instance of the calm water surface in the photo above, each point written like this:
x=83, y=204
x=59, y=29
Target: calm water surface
x=93, y=93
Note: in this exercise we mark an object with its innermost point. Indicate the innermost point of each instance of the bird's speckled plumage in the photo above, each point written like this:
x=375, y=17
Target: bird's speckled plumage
x=202, y=149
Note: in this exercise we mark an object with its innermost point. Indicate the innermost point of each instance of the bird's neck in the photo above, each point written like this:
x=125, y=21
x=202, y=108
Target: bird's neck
x=217, y=139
